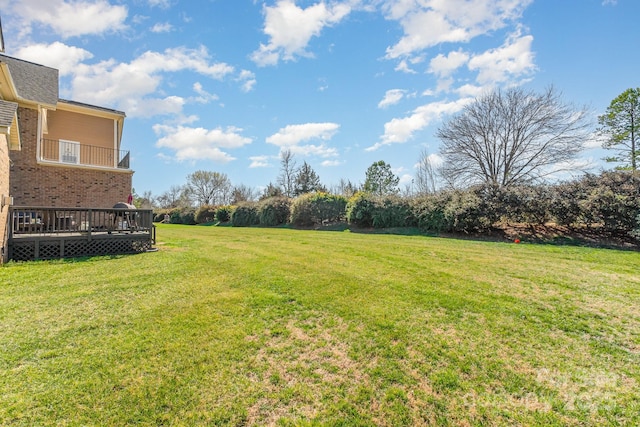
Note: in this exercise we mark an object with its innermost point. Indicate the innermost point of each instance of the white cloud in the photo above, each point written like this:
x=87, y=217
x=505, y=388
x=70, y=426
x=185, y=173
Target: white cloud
x=444, y=66
x=404, y=67
x=330, y=163
x=391, y=97
x=429, y=23
x=292, y=135
x=513, y=59
x=56, y=55
x=313, y=150
x=126, y=85
x=405, y=179
x=161, y=3
x=594, y=141
x=472, y=91
x=162, y=27
x=398, y=131
x=204, y=96
x=247, y=80
x=149, y=107
x=259, y=162
x=290, y=28
x=72, y=18
x=196, y=143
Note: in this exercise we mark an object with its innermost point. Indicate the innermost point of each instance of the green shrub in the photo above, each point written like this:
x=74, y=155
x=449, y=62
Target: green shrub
x=175, y=217
x=360, y=209
x=187, y=216
x=302, y=211
x=615, y=201
x=205, y=213
x=636, y=231
x=516, y=204
x=457, y=210
x=274, y=211
x=392, y=211
x=610, y=200
x=223, y=213
x=429, y=212
x=466, y=212
x=158, y=214
x=566, y=200
x=245, y=215
x=317, y=209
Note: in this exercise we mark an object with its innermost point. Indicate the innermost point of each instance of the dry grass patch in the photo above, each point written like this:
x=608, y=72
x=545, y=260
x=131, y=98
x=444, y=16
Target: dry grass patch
x=299, y=367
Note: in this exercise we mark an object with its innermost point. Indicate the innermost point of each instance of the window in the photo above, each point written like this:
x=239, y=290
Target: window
x=69, y=152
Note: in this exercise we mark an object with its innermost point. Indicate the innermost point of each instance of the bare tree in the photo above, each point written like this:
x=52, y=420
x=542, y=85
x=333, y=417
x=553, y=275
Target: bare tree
x=242, y=193
x=171, y=198
x=209, y=188
x=345, y=188
x=288, y=171
x=425, y=180
x=146, y=201
x=511, y=137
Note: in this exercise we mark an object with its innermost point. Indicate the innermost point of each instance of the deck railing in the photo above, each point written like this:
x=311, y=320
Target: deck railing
x=46, y=221
x=49, y=233
x=74, y=153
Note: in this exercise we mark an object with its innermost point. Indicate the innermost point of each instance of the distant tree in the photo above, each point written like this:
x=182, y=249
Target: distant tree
x=242, y=193
x=380, y=180
x=511, y=137
x=271, y=190
x=620, y=124
x=144, y=201
x=174, y=197
x=288, y=171
x=306, y=181
x=208, y=188
x=425, y=180
x=345, y=188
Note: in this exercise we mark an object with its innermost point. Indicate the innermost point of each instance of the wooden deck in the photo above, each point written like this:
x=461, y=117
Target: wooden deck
x=50, y=233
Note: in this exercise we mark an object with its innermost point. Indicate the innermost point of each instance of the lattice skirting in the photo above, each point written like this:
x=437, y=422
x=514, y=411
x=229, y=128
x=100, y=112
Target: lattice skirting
x=73, y=247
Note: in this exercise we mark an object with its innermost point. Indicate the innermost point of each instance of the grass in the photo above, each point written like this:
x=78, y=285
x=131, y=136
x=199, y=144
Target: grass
x=250, y=326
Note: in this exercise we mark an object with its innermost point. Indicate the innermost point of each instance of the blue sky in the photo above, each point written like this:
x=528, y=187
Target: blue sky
x=225, y=85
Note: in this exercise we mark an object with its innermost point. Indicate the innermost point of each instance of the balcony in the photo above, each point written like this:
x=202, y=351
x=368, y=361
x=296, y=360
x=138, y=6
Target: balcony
x=73, y=153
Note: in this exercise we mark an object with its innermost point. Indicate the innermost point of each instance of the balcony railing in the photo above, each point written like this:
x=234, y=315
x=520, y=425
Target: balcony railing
x=74, y=153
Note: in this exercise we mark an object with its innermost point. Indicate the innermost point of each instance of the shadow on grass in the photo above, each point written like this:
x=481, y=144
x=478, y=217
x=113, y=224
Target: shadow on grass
x=553, y=236
x=540, y=235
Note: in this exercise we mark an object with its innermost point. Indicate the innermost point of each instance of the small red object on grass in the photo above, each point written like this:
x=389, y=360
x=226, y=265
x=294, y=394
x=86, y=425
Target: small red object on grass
x=516, y=241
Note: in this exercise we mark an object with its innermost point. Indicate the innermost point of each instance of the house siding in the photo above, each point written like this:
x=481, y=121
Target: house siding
x=34, y=184
x=96, y=131
x=4, y=191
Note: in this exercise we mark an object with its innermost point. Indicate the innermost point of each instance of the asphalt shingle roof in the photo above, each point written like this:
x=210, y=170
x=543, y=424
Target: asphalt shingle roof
x=33, y=82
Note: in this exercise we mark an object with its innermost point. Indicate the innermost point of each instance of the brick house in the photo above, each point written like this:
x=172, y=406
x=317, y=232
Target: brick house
x=55, y=153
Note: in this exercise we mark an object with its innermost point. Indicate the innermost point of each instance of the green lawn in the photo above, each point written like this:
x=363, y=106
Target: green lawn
x=251, y=326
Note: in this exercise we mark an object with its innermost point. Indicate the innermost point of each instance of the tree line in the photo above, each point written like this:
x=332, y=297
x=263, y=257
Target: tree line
x=504, y=139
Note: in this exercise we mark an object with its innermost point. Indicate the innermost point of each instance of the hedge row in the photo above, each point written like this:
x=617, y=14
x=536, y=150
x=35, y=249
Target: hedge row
x=610, y=200
x=191, y=216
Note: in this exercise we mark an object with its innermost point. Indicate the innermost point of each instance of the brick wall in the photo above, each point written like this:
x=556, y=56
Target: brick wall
x=34, y=184
x=4, y=190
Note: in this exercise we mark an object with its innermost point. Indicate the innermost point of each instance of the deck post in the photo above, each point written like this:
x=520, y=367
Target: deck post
x=89, y=224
